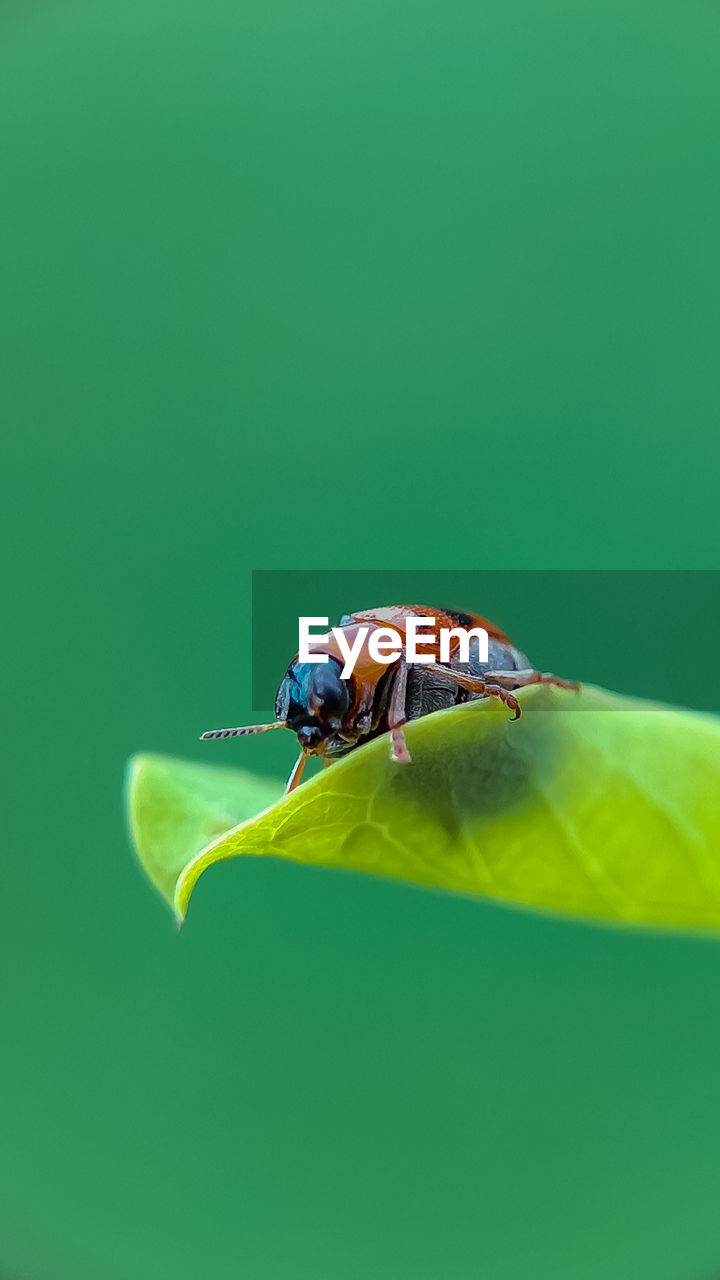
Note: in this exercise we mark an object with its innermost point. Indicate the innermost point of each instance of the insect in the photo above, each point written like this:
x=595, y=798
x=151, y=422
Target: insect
x=332, y=716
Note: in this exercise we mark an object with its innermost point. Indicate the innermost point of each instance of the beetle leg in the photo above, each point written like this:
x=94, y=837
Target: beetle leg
x=297, y=772
x=518, y=679
x=397, y=716
x=476, y=684
x=494, y=691
x=399, y=750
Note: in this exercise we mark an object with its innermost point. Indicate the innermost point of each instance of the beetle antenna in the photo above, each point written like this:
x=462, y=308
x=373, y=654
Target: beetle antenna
x=240, y=733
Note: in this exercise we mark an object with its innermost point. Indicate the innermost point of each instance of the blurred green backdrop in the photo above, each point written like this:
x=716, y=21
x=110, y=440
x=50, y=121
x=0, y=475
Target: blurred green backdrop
x=336, y=286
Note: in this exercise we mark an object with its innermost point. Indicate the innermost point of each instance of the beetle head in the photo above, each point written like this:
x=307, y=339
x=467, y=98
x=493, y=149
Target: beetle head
x=313, y=700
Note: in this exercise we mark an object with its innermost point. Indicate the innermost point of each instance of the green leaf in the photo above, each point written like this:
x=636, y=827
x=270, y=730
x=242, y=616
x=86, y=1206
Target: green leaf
x=595, y=804
x=176, y=809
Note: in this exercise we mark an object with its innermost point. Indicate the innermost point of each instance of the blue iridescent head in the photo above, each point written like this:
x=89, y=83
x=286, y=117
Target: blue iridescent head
x=313, y=701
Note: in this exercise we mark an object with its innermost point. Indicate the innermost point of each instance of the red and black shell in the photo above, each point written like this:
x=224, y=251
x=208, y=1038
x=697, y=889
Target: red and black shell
x=333, y=715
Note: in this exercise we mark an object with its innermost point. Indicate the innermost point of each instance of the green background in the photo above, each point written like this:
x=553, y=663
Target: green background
x=334, y=286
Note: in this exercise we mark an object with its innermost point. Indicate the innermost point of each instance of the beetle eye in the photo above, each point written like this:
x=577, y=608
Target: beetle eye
x=282, y=699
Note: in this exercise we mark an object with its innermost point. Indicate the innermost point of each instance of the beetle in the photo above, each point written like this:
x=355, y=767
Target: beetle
x=332, y=715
